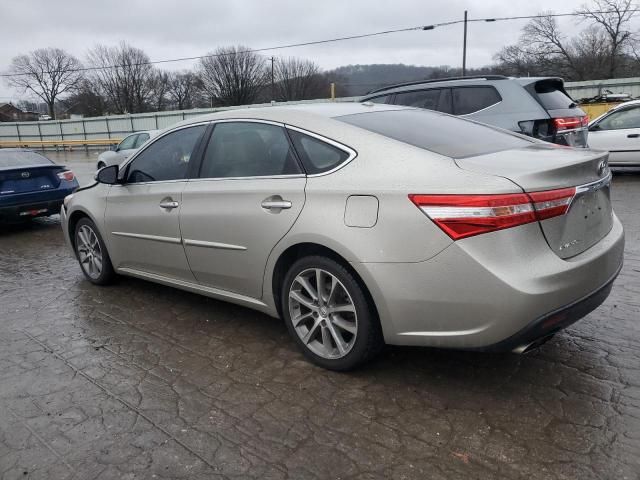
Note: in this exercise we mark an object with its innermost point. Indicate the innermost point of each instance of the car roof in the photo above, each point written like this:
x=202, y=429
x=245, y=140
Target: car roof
x=626, y=104
x=287, y=113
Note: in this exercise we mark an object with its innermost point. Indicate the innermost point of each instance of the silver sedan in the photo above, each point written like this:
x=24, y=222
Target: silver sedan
x=361, y=225
x=125, y=148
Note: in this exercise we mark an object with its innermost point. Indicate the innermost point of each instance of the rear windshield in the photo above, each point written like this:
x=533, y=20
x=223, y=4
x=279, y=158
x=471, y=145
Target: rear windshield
x=552, y=98
x=13, y=158
x=436, y=132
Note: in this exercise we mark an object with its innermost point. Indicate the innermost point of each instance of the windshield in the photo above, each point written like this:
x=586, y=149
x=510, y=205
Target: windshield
x=436, y=132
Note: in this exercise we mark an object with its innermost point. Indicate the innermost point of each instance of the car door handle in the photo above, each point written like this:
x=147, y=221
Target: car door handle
x=276, y=204
x=169, y=204
x=633, y=135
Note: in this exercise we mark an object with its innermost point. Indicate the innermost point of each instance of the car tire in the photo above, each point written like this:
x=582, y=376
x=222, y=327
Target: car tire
x=92, y=254
x=339, y=329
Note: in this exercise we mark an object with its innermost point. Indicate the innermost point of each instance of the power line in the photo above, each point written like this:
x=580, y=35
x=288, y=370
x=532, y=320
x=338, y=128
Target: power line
x=330, y=40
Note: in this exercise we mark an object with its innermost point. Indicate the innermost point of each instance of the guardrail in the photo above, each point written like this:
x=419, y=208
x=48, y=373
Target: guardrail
x=57, y=144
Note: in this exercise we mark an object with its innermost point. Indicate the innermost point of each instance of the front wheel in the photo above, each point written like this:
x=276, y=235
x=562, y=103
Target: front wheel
x=92, y=253
x=328, y=314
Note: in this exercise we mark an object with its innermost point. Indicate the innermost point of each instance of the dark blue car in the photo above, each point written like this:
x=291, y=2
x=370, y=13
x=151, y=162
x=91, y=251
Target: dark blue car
x=31, y=185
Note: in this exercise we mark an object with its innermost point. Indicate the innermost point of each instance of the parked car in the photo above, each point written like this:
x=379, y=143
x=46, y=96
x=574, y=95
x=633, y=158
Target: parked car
x=125, y=148
x=361, y=224
x=31, y=185
x=618, y=132
x=536, y=106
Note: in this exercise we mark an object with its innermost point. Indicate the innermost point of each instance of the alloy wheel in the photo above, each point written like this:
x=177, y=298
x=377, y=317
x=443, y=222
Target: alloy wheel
x=323, y=313
x=89, y=251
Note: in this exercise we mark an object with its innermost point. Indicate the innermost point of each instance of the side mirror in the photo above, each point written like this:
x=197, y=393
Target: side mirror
x=594, y=128
x=108, y=175
x=114, y=148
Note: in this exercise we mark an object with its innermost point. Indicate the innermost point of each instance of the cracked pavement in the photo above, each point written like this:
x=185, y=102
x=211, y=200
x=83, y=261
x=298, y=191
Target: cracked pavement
x=138, y=380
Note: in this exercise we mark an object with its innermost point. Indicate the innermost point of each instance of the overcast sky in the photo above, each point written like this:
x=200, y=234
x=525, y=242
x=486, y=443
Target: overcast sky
x=169, y=29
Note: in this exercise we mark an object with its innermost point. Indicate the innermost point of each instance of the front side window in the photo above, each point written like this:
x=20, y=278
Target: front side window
x=167, y=158
x=128, y=143
x=467, y=100
x=382, y=99
x=248, y=149
x=317, y=156
x=621, y=120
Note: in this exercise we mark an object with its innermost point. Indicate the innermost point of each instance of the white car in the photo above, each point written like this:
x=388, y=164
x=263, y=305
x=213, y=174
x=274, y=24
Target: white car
x=125, y=148
x=618, y=131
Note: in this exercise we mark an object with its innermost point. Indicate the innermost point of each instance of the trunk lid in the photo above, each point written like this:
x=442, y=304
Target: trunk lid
x=29, y=179
x=546, y=167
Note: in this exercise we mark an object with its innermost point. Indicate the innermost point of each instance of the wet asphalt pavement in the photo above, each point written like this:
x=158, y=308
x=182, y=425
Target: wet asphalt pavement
x=138, y=380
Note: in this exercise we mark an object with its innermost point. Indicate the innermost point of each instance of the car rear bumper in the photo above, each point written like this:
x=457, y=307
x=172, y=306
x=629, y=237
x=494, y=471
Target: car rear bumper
x=30, y=210
x=485, y=290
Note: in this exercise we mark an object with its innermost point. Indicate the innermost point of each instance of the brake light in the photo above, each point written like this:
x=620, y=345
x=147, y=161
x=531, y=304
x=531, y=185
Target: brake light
x=66, y=175
x=462, y=216
x=570, y=123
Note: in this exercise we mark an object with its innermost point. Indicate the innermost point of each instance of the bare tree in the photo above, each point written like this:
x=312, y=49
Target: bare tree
x=158, y=89
x=184, y=89
x=613, y=16
x=48, y=73
x=233, y=75
x=297, y=79
x=123, y=76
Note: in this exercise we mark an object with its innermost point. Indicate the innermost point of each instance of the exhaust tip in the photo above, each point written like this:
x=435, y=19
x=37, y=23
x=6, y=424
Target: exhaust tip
x=529, y=347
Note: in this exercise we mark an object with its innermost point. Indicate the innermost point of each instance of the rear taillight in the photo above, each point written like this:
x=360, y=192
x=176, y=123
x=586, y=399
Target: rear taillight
x=66, y=175
x=570, y=123
x=462, y=216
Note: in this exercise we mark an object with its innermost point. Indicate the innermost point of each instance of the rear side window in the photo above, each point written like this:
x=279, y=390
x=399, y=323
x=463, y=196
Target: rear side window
x=551, y=97
x=143, y=137
x=433, y=99
x=317, y=156
x=128, y=143
x=468, y=100
x=248, y=149
x=443, y=134
x=16, y=158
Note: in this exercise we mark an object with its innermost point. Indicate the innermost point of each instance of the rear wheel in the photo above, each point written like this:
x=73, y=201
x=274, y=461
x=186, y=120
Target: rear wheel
x=328, y=314
x=92, y=253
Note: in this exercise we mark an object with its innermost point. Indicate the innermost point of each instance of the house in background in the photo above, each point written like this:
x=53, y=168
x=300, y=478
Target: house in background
x=11, y=113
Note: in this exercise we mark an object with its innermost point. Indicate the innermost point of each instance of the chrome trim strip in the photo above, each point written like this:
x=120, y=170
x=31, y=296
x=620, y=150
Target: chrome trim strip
x=155, y=238
x=265, y=177
x=210, y=291
x=202, y=243
x=597, y=185
x=352, y=153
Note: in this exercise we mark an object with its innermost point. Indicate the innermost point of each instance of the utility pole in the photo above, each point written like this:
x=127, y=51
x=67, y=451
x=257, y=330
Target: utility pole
x=464, y=47
x=273, y=86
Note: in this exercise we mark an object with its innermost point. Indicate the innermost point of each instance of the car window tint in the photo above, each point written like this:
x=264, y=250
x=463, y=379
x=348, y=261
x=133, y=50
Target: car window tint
x=623, y=119
x=248, y=149
x=429, y=99
x=471, y=99
x=443, y=134
x=20, y=158
x=317, y=156
x=551, y=97
x=128, y=143
x=143, y=137
x=382, y=99
x=167, y=158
